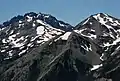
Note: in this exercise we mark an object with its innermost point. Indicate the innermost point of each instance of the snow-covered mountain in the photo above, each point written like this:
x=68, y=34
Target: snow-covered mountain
x=22, y=33
x=103, y=31
x=38, y=47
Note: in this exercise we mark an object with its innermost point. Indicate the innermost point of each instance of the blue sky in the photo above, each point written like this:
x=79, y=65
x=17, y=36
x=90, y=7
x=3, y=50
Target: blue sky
x=71, y=11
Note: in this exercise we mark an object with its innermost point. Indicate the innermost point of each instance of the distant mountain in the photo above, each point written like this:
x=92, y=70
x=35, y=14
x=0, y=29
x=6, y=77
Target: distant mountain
x=38, y=47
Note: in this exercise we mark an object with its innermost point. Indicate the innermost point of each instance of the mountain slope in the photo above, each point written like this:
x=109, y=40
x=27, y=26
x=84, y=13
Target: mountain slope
x=103, y=30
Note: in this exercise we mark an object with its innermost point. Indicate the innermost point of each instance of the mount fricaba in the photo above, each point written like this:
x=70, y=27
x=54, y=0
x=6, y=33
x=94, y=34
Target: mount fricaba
x=38, y=47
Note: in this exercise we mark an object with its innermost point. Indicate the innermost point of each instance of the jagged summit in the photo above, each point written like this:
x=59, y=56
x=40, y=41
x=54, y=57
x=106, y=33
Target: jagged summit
x=102, y=18
x=31, y=17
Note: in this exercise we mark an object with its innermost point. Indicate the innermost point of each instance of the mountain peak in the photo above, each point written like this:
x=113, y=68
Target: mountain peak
x=102, y=14
x=28, y=31
x=32, y=17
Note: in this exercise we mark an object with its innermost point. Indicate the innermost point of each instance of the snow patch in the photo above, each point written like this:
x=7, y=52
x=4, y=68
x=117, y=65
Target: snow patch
x=34, y=25
x=61, y=24
x=40, y=30
x=4, y=41
x=91, y=36
x=101, y=58
x=47, y=16
x=41, y=22
x=23, y=51
x=20, y=22
x=14, y=42
x=117, y=22
x=29, y=18
x=10, y=53
x=91, y=23
x=66, y=35
x=11, y=31
x=85, y=47
x=114, y=43
x=3, y=51
x=86, y=21
x=96, y=67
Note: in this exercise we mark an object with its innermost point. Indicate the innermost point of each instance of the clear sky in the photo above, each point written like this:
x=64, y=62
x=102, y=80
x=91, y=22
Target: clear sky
x=71, y=11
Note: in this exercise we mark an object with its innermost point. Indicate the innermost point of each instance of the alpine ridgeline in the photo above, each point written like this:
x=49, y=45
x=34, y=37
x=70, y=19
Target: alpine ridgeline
x=38, y=47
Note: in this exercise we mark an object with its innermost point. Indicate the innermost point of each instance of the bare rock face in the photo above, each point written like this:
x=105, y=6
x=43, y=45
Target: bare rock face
x=38, y=47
